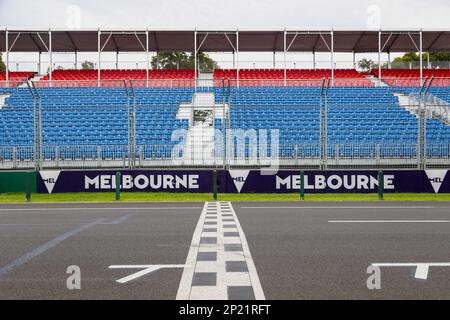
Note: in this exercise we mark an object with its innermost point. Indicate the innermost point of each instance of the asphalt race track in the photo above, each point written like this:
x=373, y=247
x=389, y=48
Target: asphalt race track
x=197, y=250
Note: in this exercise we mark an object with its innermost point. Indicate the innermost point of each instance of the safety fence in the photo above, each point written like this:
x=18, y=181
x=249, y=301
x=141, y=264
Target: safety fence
x=166, y=123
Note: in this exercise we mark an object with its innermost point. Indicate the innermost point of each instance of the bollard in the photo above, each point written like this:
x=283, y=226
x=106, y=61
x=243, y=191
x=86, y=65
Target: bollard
x=28, y=187
x=215, y=184
x=118, y=175
x=302, y=185
x=380, y=185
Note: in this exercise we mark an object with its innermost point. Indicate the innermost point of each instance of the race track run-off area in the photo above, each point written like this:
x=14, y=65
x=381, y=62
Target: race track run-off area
x=225, y=250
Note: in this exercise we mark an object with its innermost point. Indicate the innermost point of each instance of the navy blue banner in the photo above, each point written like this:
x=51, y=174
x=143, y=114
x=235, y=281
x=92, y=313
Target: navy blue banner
x=136, y=180
x=243, y=181
x=247, y=181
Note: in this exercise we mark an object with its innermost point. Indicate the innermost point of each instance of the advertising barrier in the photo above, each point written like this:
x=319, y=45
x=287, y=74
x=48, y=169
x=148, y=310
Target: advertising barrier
x=243, y=181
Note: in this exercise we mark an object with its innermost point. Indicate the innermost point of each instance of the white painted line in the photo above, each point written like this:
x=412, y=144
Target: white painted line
x=422, y=271
x=422, y=268
x=389, y=221
x=102, y=208
x=121, y=219
x=347, y=207
x=147, y=269
x=46, y=246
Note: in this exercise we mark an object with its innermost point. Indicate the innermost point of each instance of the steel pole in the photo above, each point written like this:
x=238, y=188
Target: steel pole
x=50, y=55
x=99, y=56
x=147, y=66
x=284, y=58
x=237, y=57
x=379, y=56
x=420, y=55
x=195, y=59
x=7, y=57
x=332, y=56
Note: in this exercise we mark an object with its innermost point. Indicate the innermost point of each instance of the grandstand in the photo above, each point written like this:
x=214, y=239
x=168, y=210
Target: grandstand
x=325, y=118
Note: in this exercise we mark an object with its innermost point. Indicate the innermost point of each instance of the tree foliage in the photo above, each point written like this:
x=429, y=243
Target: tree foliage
x=87, y=65
x=413, y=56
x=182, y=60
x=367, y=65
x=2, y=65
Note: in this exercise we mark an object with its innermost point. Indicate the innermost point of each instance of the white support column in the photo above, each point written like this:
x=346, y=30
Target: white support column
x=237, y=58
x=314, y=60
x=420, y=56
x=147, y=56
x=76, y=60
x=50, y=54
x=332, y=56
x=7, y=57
x=354, y=60
x=284, y=58
x=379, y=56
x=195, y=58
x=389, y=60
x=99, y=55
x=274, y=60
x=117, y=60
x=39, y=62
x=234, y=61
x=428, y=60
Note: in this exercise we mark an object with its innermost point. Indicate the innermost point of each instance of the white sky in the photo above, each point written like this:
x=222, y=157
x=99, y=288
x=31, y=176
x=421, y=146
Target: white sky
x=229, y=14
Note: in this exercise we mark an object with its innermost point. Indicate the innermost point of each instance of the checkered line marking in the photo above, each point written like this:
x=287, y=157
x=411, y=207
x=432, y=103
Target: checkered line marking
x=219, y=265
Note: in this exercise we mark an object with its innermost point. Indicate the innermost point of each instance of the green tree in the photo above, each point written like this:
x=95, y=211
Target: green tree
x=87, y=65
x=183, y=60
x=2, y=65
x=366, y=64
x=413, y=59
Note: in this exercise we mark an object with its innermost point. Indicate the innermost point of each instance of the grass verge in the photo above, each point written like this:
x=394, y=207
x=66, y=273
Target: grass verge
x=201, y=197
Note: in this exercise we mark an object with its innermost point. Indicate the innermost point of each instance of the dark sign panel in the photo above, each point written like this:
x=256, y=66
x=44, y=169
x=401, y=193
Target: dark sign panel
x=245, y=181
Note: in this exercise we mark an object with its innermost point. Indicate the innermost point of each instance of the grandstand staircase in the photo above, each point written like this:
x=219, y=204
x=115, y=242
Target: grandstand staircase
x=199, y=148
x=3, y=100
x=205, y=79
x=436, y=107
x=376, y=81
x=199, y=143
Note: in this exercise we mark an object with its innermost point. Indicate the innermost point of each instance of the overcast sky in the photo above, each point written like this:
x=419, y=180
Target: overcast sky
x=225, y=14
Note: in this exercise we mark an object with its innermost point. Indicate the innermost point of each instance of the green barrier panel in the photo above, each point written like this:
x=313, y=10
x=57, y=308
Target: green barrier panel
x=302, y=185
x=17, y=181
x=118, y=175
x=380, y=185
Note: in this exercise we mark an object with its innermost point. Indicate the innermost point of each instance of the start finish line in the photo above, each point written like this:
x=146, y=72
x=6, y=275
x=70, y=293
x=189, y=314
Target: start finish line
x=243, y=181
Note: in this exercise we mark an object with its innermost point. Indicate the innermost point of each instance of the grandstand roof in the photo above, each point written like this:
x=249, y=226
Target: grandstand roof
x=216, y=41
